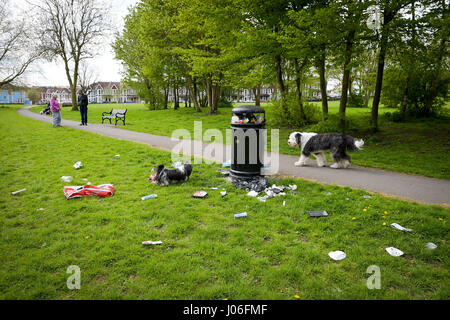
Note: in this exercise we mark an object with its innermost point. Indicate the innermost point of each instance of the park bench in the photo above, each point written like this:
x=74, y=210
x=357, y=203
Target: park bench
x=116, y=114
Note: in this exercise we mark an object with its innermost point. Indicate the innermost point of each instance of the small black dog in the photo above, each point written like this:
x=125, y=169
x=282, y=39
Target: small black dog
x=164, y=176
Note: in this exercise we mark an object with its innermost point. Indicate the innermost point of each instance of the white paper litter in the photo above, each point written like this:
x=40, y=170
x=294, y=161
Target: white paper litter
x=18, y=191
x=394, y=252
x=262, y=199
x=40, y=209
x=328, y=193
x=337, y=255
x=366, y=196
x=151, y=242
x=214, y=188
x=284, y=203
x=431, y=246
x=293, y=187
x=66, y=178
x=252, y=193
x=117, y=155
x=399, y=227
x=223, y=193
x=78, y=165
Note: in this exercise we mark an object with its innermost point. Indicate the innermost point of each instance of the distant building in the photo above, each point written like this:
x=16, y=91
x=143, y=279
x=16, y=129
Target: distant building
x=64, y=94
x=111, y=92
x=10, y=94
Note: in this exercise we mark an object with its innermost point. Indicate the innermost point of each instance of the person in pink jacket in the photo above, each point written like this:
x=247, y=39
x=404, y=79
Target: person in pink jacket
x=55, y=108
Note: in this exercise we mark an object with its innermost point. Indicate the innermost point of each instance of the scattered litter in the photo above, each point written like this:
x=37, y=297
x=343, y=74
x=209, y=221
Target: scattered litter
x=337, y=255
x=431, y=246
x=200, y=194
x=84, y=179
x=78, y=165
x=151, y=196
x=253, y=193
x=66, y=178
x=293, y=187
x=263, y=199
x=284, y=203
x=225, y=172
x=214, y=188
x=40, y=209
x=328, y=193
x=321, y=213
x=103, y=190
x=223, y=193
x=177, y=164
x=117, y=155
x=226, y=164
x=394, y=252
x=257, y=184
x=366, y=196
x=18, y=191
x=240, y=215
x=151, y=242
x=399, y=227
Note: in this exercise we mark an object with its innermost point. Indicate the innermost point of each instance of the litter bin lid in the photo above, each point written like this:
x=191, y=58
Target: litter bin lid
x=248, y=109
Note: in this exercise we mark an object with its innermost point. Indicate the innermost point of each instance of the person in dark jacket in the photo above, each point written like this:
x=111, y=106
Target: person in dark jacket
x=83, y=103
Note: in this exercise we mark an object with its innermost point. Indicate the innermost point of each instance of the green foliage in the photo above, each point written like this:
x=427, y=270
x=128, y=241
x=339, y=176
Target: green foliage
x=357, y=101
x=312, y=113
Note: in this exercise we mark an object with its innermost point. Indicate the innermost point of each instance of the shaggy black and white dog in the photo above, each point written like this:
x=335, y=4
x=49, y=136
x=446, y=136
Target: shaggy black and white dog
x=317, y=144
x=164, y=176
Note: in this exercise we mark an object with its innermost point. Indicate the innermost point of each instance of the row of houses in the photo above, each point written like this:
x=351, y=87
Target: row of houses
x=10, y=94
x=98, y=92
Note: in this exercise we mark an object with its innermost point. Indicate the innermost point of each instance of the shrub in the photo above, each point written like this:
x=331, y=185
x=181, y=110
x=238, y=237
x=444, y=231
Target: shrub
x=312, y=113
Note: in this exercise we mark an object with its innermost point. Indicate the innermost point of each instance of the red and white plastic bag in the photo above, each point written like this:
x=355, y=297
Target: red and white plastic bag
x=103, y=190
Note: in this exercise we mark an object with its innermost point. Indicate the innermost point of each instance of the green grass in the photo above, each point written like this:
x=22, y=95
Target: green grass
x=275, y=253
x=419, y=147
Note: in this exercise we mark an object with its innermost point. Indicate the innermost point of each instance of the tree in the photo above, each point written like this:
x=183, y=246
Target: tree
x=70, y=30
x=34, y=95
x=389, y=11
x=17, y=45
x=86, y=76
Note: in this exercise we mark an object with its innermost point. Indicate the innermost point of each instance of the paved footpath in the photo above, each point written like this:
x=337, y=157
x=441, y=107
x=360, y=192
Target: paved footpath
x=408, y=187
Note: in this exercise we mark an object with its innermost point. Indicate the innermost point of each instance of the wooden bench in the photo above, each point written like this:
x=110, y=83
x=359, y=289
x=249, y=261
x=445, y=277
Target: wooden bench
x=116, y=114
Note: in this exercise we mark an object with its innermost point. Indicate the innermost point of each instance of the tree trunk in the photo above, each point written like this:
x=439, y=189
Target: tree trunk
x=345, y=80
x=405, y=97
x=298, y=74
x=281, y=86
x=257, y=93
x=166, y=98
x=350, y=89
x=366, y=103
x=323, y=85
x=388, y=15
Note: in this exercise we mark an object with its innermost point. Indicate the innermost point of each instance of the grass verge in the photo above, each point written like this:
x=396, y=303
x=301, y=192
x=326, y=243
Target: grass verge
x=277, y=252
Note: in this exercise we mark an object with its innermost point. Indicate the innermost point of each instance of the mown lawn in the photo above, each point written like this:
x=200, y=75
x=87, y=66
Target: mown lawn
x=419, y=147
x=277, y=252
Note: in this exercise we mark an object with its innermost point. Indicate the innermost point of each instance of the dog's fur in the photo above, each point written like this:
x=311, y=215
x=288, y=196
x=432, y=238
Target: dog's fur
x=317, y=144
x=164, y=176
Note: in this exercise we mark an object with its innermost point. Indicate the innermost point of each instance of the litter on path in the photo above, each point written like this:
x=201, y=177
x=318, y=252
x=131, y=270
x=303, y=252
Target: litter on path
x=431, y=246
x=103, y=190
x=78, y=165
x=320, y=213
x=18, y=191
x=151, y=242
x=66, y=178
x=394, y=252
x=150, y=196
x=337, y=255
x=399, y=227
x=240, y=215
x=200, y=194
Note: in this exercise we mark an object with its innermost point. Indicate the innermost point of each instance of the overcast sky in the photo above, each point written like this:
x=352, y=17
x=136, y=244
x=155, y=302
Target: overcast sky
x=107, y=68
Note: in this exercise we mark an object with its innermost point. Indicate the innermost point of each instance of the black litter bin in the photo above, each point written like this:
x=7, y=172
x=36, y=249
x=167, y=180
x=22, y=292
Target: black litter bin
x=247, y=141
